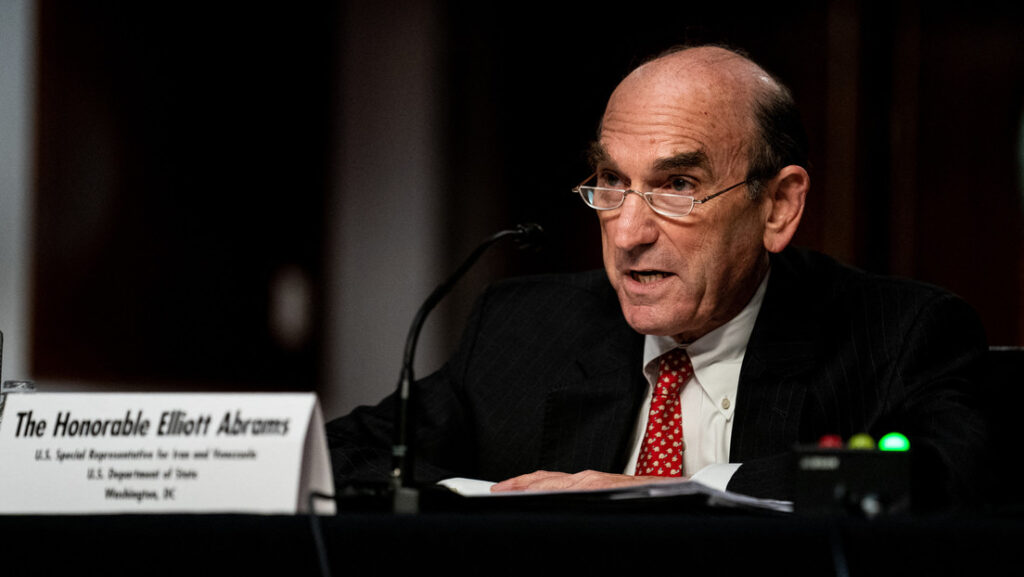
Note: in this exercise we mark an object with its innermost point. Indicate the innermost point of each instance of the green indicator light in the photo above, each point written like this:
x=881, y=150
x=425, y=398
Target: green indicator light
x=894, y=442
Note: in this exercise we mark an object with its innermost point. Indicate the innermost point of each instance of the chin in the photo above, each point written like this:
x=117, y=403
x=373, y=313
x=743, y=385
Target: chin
x=646, y=323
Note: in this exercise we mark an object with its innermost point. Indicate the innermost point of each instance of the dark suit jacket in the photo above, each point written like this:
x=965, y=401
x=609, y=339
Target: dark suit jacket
x=549, y=376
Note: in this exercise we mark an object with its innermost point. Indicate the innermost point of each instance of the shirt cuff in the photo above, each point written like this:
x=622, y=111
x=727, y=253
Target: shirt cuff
x=716, y=476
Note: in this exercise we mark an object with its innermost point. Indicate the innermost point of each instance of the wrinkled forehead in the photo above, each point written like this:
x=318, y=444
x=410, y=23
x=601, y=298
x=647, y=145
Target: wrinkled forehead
x=662, y=111
x=719, y=92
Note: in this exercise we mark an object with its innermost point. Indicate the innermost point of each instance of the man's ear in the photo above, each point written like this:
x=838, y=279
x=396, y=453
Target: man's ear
x=784, y=199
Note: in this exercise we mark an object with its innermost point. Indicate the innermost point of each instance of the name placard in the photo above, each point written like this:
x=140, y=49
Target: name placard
x=162, y=452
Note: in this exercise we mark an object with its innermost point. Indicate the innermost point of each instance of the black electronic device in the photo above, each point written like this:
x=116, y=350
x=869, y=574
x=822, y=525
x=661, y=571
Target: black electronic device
x=861, y=480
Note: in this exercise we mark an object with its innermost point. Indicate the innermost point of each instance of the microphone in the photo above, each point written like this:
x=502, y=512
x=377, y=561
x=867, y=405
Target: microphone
x=528, y=236
x=406, y=498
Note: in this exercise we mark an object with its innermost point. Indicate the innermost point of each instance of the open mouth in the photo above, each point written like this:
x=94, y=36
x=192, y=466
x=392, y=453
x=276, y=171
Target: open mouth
x=647, y=276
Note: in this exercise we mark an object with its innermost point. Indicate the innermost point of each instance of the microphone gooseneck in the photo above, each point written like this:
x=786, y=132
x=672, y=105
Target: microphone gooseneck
x=526, y=235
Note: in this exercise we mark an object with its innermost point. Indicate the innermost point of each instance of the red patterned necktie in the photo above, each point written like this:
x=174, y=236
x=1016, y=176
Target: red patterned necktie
x=662, y=451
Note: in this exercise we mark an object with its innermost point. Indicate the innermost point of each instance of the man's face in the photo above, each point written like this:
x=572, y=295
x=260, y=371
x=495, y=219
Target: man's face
x=680, y=277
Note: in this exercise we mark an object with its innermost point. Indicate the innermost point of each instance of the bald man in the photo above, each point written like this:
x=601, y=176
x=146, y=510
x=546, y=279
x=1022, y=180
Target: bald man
x=706, y=349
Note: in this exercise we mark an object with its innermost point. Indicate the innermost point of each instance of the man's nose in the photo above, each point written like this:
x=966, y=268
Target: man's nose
x=636, y=224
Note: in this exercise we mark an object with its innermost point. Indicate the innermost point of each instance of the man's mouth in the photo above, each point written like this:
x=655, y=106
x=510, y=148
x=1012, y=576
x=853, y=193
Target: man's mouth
x=647, y=276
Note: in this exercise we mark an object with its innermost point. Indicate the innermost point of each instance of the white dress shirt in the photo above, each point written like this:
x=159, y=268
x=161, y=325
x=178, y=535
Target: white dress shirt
x=708, y=400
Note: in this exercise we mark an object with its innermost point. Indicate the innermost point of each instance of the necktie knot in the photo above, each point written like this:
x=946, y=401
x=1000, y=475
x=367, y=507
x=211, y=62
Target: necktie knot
x=674, y=369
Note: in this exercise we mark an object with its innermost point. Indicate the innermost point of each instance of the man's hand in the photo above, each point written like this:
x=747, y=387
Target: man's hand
x=551, y=481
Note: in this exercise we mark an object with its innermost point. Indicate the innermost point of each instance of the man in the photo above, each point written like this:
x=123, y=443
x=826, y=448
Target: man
x=699, y=186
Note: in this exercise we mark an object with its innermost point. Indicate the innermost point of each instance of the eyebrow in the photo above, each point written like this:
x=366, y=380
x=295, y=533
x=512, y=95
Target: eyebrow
x=695, y=159
x=597, y=155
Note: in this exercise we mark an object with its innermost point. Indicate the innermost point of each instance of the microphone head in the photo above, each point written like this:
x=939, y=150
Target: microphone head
x=529, y=235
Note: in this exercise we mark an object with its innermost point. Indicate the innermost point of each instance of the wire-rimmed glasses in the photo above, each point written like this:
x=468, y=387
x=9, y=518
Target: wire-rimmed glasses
x=664, y=203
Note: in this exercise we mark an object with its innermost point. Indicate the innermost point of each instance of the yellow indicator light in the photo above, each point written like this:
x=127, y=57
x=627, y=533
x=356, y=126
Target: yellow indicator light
x=861, y=441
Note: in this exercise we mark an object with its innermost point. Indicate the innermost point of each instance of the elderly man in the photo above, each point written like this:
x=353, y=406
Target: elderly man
x=706, y=348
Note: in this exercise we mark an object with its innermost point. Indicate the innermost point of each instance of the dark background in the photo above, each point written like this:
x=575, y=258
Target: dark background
x=164, y=209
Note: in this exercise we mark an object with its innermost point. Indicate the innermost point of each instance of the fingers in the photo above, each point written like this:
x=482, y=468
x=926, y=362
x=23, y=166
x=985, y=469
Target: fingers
x=552, y=481
x=524, y=482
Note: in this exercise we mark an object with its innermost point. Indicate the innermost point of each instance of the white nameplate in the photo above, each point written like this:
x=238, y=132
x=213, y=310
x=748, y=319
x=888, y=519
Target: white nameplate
x=162, y=452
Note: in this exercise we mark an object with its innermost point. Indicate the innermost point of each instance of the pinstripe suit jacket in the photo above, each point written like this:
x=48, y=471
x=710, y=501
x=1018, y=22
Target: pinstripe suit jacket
x=548, y=376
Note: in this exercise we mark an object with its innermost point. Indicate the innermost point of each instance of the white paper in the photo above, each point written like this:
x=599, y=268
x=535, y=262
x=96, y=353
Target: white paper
x=476, y=488
x=467, y=487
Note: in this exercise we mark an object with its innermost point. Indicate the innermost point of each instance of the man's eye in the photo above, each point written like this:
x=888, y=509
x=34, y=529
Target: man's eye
x=609, y=181
x=681, y=185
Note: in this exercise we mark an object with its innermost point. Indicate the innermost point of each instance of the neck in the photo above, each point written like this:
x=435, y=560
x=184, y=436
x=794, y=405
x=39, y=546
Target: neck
x=743, y=296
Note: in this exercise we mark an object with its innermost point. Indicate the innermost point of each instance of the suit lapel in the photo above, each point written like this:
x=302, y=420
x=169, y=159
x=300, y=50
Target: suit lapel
x=591, y=411
x=782, y=349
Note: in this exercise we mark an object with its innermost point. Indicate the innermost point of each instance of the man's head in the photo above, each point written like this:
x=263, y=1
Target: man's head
x=694, y=122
